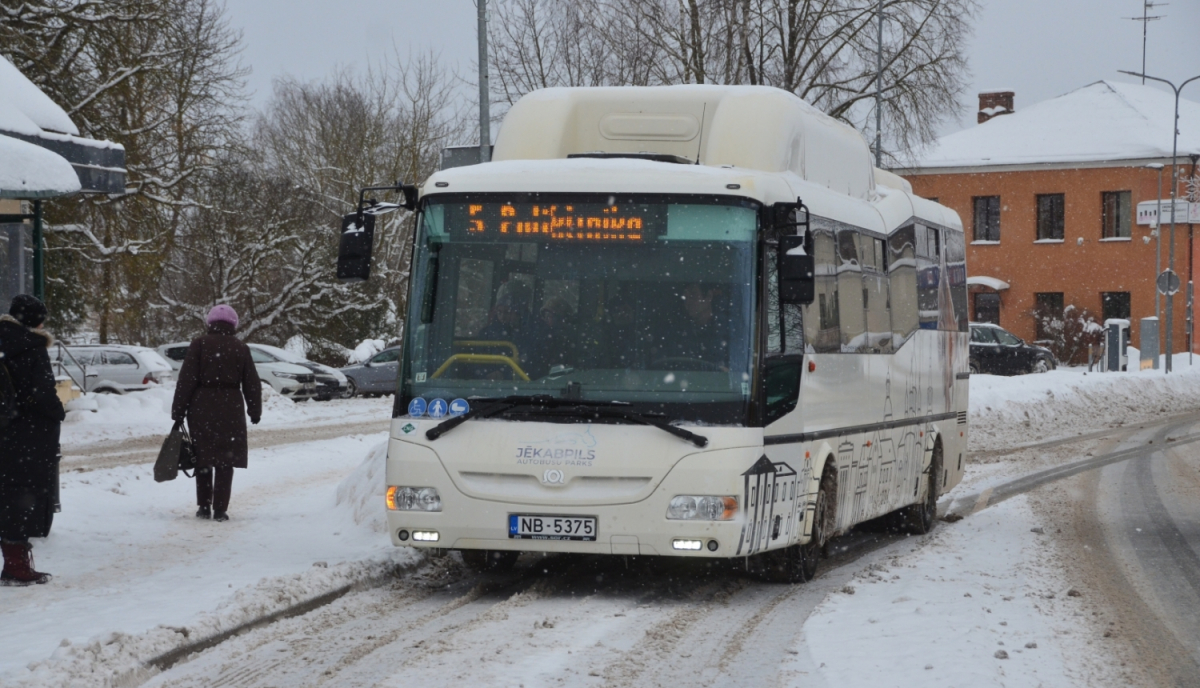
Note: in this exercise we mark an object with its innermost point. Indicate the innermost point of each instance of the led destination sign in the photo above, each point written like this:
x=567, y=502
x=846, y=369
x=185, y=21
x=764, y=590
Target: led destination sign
x=556, y=222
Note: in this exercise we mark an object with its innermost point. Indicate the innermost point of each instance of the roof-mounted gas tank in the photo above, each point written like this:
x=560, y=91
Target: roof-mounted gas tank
x=753, y=127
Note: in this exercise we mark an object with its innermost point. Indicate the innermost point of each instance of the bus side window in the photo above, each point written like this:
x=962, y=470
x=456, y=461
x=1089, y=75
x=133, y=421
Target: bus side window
x=956, y=266
x=928, y=275
x=902, y=283
x=850, y=293
x=821, y=317
x=879, y=317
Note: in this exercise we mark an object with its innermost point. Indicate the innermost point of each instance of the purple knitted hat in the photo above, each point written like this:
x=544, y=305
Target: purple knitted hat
x=222, y=313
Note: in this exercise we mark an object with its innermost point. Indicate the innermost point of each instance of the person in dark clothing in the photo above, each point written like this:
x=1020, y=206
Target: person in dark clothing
x=29, y=448
x=217, y=375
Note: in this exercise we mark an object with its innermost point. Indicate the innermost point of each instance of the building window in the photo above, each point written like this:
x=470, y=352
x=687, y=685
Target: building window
x=987, y=307
x=1116, y=304
x=987, y=218
x=1116, y=214
x=1047, y=314
x=1050, y=216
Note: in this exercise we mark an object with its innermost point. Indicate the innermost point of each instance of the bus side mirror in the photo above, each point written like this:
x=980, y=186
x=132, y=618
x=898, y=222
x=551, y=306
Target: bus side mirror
x=354, y=251
x=797, y=283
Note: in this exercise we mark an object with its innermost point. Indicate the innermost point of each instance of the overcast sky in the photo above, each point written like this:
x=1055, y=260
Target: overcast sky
x=1037, y=48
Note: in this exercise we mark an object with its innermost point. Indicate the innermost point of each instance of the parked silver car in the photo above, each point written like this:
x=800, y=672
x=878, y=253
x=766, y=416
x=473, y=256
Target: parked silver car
x=377, y=375
x=292, y=381
x=113, y=368
x=331, y=383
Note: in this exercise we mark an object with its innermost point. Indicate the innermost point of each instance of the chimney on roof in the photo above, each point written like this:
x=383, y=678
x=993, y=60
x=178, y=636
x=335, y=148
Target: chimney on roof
x=994, y=103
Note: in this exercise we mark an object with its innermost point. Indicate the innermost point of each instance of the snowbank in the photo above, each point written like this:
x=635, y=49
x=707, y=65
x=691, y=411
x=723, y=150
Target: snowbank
x=136, y=574
x=99, y=417
x=363, y=491
x=1008, y=411
x=116, y=658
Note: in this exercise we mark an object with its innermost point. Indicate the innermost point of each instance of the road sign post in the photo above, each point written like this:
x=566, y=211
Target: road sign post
x=1168, y=283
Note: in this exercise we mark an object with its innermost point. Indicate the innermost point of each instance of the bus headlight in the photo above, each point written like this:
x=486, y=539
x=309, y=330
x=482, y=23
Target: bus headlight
x=413, y=499
x=702, y=508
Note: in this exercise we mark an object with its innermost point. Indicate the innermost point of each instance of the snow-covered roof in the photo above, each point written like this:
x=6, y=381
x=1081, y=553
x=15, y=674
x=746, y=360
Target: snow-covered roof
x=989, y=282
x=29, y=172
x=30, y=118
x=21, y=94
x=1100, y=122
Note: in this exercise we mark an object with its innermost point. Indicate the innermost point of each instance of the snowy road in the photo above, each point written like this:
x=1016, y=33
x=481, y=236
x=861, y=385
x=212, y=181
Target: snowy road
x=1132, y=530
x=558, y=619
x=983, y=601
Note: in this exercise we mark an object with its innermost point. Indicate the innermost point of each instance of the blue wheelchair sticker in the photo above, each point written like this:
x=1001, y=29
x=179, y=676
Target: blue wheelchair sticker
x=437, y=408
x=459, y=407
x=416, y=407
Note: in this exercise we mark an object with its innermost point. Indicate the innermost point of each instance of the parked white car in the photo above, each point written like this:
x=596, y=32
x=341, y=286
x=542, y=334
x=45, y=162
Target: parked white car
x=292, y=381
x=112, y=368
x=331, y=383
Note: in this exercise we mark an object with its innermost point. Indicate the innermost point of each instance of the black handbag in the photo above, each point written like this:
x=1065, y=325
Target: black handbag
x=176, y=455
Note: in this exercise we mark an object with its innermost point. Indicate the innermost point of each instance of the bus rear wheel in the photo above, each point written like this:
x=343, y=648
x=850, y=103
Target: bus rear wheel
x=485, y=560
x=920, y=518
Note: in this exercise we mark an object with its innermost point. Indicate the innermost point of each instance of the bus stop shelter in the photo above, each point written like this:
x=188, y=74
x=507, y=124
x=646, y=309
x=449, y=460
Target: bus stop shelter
x=42, y=157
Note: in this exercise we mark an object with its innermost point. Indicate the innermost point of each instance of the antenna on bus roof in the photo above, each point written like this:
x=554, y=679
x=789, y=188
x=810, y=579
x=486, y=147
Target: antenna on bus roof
x=700, y=143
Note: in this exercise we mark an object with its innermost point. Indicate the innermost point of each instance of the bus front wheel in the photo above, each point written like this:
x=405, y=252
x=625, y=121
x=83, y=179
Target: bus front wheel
x=798, y=563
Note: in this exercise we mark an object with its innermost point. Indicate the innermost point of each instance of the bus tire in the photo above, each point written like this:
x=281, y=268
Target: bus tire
x=823, y=513
x=798, y=563
x=489, y=560
x=919, y=519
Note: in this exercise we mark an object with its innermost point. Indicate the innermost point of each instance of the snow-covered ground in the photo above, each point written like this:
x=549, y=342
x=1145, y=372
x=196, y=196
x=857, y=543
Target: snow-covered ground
x=137, y=575
x=103, y=417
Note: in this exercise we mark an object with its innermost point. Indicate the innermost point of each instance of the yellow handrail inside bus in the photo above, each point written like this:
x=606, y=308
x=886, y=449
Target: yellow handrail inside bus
x=480, y=358
x=479, y=342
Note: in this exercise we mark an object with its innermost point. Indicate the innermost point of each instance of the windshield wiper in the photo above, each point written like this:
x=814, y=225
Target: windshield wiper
x=501, y=405
x=573, y=408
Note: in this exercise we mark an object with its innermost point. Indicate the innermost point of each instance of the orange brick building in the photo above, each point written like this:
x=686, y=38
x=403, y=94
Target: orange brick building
x=1048, y=198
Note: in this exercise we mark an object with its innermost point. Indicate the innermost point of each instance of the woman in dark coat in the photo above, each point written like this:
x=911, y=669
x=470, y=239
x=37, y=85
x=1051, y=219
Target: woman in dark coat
x=29, y=443
x=216, y=376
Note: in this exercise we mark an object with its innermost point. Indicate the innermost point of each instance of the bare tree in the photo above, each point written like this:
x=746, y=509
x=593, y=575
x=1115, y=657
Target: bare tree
x=822, y=50
x=264, y=238
x=160, y=78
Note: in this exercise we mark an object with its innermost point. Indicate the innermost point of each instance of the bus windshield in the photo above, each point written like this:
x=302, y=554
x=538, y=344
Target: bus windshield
x=646, y=300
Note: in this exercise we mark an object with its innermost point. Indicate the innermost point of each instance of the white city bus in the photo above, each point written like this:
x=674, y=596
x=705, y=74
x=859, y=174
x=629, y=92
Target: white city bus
x=688, y=321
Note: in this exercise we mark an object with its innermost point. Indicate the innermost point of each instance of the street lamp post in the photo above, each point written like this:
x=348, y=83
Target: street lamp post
x=1174, y=183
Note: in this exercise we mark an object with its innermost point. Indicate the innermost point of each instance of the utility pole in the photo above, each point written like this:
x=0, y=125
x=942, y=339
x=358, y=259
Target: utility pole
x=1174, y=185
x=1146, y=19
x=879, y=93
x=1157, y=242
x=485, y=110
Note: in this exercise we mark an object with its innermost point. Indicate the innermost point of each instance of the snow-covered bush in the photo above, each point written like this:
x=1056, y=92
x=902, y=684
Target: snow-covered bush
x=365, y=350
x=1069, y=333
